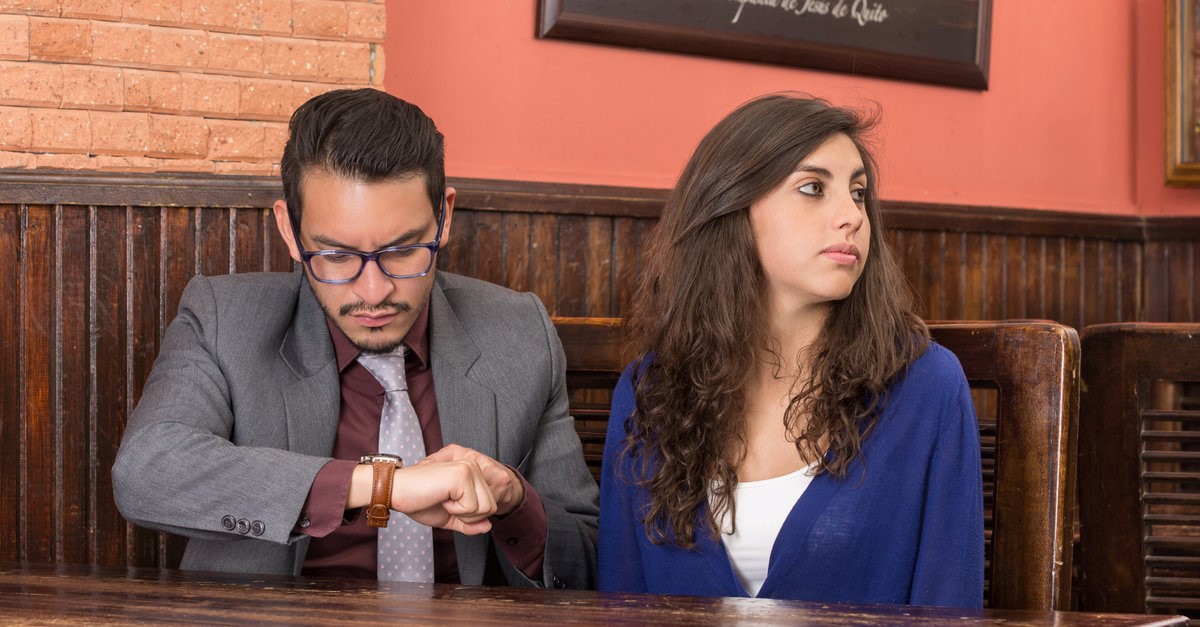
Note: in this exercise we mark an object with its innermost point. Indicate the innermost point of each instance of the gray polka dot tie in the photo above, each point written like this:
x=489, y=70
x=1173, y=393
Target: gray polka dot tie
x=405, y=546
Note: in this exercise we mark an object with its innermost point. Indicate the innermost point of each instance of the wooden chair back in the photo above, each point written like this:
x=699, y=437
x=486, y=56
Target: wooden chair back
x=1026, y=377
x=1139, y=468
x=594, y=363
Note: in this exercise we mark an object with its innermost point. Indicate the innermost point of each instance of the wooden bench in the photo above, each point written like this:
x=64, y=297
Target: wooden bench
x=1025, y=372
x=1139, y=468
x=1025, y=378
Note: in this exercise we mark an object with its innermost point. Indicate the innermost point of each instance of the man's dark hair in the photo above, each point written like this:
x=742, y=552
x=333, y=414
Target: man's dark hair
x=362, y=134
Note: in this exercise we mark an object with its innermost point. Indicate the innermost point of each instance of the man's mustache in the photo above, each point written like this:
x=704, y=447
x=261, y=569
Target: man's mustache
x=387, y=306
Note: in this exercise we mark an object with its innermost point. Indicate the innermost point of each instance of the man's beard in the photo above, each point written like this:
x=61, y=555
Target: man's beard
x=369, y=344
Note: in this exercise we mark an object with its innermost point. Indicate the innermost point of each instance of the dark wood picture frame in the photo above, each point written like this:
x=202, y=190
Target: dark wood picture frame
x=943, y=42
x=1183, y=125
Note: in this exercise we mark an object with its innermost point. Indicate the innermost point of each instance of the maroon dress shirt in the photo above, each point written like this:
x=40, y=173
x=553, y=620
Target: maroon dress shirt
x=342, y=544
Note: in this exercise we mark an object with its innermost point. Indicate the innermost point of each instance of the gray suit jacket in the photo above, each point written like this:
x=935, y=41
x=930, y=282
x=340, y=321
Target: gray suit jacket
x=241, y=411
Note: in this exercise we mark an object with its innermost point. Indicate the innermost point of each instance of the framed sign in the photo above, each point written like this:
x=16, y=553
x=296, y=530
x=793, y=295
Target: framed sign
x=1183, y=124
x=932, y=41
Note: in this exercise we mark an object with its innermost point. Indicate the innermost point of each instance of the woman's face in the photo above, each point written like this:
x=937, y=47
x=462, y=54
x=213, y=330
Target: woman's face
x=811, y=232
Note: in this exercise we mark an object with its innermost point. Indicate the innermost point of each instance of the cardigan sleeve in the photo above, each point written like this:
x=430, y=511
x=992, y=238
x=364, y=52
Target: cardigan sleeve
x=949, y=561
x=620, y=560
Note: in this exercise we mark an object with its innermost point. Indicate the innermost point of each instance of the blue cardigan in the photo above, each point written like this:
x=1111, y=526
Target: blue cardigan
x=905, y=526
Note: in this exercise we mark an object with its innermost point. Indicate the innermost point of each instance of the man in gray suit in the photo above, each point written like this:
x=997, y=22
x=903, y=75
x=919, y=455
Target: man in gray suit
x=257, y=432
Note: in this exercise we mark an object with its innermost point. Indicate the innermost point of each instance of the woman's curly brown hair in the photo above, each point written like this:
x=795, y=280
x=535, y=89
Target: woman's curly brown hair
x=697, y=327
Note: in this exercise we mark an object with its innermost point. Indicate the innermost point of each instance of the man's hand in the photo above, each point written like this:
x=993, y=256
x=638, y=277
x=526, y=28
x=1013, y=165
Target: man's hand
x=450, y=494
x=505, y=485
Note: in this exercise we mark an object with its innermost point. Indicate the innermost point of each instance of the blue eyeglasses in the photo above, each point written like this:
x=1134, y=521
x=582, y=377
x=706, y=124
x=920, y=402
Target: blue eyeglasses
x=399, y=262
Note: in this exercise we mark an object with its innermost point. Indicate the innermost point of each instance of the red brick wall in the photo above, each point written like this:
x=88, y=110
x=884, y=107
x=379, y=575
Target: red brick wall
x=173, y=85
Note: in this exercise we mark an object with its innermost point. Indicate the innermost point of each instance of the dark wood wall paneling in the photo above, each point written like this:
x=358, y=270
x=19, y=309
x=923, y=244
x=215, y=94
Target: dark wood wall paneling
x=989, y=263
x=1172, y=275
x=577, y=247
x=94, y=265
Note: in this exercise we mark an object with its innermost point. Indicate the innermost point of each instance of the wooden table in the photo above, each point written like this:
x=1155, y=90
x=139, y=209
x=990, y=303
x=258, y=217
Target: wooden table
x=46, y=594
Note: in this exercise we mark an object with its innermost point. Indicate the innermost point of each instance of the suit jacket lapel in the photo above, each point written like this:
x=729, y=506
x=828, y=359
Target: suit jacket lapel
x=466, y=410
x=312, y=398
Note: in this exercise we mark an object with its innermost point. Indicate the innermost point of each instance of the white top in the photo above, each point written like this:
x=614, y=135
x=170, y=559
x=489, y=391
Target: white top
x=762, y=506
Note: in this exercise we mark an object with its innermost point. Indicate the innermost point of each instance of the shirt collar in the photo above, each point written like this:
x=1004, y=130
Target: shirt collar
x=416, y=340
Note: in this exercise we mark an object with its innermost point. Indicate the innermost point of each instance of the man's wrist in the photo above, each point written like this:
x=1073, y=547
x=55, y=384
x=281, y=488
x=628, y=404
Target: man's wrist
x=383, y=468
x=360, y=487
x=504, y=509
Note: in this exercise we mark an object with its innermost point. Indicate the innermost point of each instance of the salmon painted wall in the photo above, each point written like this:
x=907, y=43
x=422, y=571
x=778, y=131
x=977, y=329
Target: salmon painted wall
x=1072, y=119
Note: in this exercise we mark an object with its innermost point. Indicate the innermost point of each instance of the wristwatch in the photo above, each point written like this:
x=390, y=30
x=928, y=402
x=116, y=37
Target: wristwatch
x=383, y=467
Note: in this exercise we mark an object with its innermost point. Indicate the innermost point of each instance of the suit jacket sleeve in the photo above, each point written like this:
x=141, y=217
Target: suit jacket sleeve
x=185, y=464
x=555, y=468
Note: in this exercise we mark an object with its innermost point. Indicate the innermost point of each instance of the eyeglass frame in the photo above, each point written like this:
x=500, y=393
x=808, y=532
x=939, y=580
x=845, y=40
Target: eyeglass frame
x=433, y=248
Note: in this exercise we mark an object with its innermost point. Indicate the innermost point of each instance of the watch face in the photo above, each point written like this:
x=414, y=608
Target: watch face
x=381, y=457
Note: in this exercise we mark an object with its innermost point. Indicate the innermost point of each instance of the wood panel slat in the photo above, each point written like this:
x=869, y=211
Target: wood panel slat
x=116, y=303
x=489, y=245
x=213, y=254
x=995, y=303
x=1129, y=279
x=1181, y=282
x=1054, y=281
x=1014, y=287
x=1156, y=296
x=459, y=252
x=72, y=384
x=598, y=245
x=516, y=252
x=12, y=334
x=630, y=237
x=127, y=341
x=573, y=266
x=932, y=264
x=544, y=252
x=1036, y=296
x=953, y=272
x=37, y=523
x=177, y=258
x=247, y=236
x=974, y=291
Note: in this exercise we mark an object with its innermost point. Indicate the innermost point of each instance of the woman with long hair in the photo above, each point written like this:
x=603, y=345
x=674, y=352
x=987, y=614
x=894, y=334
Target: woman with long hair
x=787, y=429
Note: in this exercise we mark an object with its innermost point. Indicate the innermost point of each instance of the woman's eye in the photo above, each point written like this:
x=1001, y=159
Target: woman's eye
x=810, y=189
x=859, y=195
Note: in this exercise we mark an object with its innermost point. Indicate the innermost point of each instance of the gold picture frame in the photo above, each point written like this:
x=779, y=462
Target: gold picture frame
x=1183, y=124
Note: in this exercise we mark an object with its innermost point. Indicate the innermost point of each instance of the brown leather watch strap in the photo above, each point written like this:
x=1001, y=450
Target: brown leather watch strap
x=383, y=468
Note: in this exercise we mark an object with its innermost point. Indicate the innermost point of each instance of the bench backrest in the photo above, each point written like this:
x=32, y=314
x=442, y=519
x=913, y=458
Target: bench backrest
x=1025, y=378
x=1139, y=468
